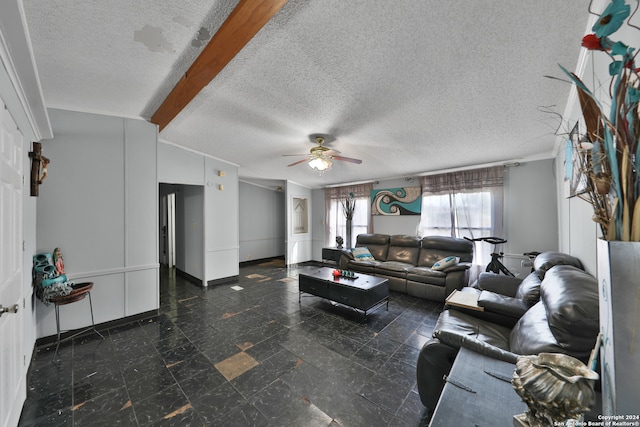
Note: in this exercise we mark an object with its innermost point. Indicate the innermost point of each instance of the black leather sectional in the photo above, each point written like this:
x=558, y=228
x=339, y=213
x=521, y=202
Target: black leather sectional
x=407, y=261
x=553, y=310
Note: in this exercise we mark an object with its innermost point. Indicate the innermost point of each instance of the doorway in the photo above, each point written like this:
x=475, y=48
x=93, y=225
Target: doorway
x=181, y=233
x=168, y=229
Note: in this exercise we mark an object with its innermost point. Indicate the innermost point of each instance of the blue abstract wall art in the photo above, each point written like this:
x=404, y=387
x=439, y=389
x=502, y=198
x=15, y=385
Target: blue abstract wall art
x=396, y=201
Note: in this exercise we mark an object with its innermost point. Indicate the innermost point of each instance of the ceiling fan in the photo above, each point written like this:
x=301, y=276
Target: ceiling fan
x=321, y=158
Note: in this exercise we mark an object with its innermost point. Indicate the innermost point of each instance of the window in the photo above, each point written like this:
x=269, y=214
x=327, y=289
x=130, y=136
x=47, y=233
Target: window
x=463, y=214
x=335, y=221
x=337, y=224
x=464, y=204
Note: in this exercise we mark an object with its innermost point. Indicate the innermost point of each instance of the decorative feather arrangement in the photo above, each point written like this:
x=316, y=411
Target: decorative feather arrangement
x=613, y=130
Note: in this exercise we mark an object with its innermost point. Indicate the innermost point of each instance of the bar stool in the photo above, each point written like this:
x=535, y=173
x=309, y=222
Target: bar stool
x=79, y=292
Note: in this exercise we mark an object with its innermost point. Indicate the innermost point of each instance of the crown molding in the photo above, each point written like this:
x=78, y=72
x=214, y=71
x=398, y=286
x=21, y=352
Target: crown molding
x=20, y=86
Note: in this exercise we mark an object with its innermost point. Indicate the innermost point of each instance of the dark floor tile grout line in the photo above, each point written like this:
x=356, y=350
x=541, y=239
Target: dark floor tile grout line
x=183, y=304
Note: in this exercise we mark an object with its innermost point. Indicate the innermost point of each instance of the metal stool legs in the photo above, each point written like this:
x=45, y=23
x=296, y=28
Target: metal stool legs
x=93, y=326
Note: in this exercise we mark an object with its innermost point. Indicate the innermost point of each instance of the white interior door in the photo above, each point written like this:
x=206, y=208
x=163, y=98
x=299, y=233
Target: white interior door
x=12, y=375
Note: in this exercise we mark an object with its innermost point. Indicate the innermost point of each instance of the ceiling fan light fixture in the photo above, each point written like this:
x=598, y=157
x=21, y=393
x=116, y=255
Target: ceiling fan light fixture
x=320, y=164
x=320, y=158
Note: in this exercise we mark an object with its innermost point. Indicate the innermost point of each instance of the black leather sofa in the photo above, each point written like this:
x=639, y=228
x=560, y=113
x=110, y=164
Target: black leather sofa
x=564, y=320
x=505, y=299
x=407, y=261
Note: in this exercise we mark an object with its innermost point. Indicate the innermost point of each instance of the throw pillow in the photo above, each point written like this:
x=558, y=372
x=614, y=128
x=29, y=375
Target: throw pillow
x=362, y=254
x=445, y=262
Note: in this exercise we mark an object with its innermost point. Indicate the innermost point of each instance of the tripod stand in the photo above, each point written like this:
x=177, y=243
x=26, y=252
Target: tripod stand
x=495, y=265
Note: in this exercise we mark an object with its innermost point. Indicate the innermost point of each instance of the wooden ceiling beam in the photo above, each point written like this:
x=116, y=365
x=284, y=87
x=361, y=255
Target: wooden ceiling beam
x=248, y=17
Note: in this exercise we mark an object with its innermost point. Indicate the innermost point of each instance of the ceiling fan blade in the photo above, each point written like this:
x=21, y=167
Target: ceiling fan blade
x=331, y=152
x=292, y=155
x=347, y=159
x=298, y=162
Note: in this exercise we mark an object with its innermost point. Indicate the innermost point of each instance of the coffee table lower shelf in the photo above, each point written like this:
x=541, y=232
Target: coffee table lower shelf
x=365, y=311
x=364, y=293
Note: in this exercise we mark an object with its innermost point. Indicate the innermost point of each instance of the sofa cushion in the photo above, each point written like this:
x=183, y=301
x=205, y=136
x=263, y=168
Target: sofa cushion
x=393, y=269
x=362, y=254
x=378, y=244
x=546, y=260
x=394, y=266
x=498, y=283
x=458, y=329
x=529, y=289
x=366, y=266
x=426, y=275
x=531, y=334
x=570, y=297
x=501, y=304
x=404, y=249
x=434, y=248
x=453, y=324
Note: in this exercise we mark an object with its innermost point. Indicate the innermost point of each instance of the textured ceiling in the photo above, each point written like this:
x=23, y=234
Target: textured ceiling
x=406, y=86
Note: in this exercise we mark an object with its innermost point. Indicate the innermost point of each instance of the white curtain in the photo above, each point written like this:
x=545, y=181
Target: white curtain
x=464, y=204
x=335, y=221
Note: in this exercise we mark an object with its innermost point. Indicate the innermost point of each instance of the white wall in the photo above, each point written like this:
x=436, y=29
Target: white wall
x=530, y=221
x=530, y=211
x=221, y=207
x=220, y=182
x=100, y=206
x=178, y=166
x=317, y=223
x=298, y=244
x=189, y=230
x=262, y=222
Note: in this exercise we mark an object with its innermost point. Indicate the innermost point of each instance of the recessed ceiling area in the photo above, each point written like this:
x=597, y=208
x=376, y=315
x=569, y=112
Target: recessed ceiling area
x=408, y=87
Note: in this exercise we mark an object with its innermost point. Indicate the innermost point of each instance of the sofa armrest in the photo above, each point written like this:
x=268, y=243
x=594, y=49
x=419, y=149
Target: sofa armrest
x=500, y=284
x=345, y=257
x=456, y=340
x=501, y=304
x=434, y=362
x=455, y=279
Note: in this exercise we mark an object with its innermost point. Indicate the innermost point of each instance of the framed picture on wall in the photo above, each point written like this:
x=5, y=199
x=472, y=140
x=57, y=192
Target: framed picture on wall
x=396, y=201
x=300, y=215
x=575, y=181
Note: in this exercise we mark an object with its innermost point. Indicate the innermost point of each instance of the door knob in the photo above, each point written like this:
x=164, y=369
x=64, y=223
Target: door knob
x=12, y=309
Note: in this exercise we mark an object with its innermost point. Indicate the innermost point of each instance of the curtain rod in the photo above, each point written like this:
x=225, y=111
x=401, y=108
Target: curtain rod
x=467, y=168
x=506, y=164
x=351, y=183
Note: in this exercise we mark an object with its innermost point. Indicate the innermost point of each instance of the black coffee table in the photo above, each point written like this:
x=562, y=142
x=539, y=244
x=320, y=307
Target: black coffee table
x=362, y=293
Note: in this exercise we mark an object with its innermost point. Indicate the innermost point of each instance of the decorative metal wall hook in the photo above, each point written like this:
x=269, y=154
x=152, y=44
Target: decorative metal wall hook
x=39, y=168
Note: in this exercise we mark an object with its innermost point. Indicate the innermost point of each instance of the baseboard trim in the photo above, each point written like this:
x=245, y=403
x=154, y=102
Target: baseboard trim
x=44, y=341
x=308, y=264
x=188, y=277
x=195, y=281
x=222, y=281
x=260, y=261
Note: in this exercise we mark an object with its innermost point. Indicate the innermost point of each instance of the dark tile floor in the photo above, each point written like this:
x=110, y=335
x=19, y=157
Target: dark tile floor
x=249, y=357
